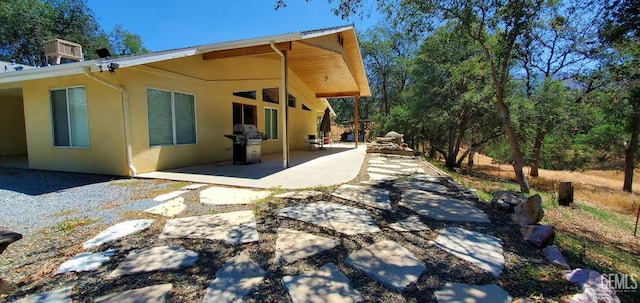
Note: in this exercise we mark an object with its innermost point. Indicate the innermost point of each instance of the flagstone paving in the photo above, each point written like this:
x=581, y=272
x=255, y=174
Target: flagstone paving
x=170, y=208
x=169, y=196
x=459, y=292
x=412, y=223
x=234, y=280
x=155, y=259
x=293, y=245
x=368, y=195
x=59, y=295
x=482, y=250
x=300, y=195
x=345, y=219
x=426, y=186
x=385, y=261
x=155, y=293
x=217, y=195
x=389, y=263
x=117, y=231
x=232, y=227
x=86, y=261
x=327, y=284
x=441, y=208
x=381, y=177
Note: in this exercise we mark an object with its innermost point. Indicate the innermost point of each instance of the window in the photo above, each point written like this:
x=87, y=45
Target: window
x=244, y=114
x=69, y=117
x=271, y=95
x=172, y=118
x=271, y=123
x=246, y=94
x=305, y=107
x=291, y=101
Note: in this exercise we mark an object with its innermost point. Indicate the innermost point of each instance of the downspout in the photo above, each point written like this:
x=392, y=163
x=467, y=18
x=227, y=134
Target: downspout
x=125, y=116
x=283, y=101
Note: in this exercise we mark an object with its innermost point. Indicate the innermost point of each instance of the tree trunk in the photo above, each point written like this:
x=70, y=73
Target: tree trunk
x=535, y=157
x=629, y=163
x=471, y=154
x=518, y=161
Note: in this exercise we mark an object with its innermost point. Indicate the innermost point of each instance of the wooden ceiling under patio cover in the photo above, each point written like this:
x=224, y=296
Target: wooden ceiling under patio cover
x=328, y=68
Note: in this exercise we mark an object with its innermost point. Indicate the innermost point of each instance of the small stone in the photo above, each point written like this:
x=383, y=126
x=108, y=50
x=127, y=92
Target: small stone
x=529, y=212
x=506, y=201
x=555, y=257
x=155, y=293
x=6, y=286
x=539, y=235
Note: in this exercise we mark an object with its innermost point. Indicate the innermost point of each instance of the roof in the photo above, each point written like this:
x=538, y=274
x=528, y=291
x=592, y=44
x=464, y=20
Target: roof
x=306, y=51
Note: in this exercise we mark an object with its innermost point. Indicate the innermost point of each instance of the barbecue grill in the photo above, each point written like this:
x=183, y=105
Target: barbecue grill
x=246, y=143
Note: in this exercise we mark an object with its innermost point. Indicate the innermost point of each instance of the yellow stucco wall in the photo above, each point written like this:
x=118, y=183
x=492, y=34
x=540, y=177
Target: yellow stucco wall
x=106, y=152
x=212, y=83
x=13, y=140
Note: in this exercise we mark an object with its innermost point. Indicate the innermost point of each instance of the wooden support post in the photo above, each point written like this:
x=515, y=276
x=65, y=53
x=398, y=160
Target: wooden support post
x=637, y=217
x=356, y=125
x=565, y=193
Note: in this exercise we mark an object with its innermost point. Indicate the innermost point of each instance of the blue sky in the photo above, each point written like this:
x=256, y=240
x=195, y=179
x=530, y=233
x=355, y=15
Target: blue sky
x=164, y=24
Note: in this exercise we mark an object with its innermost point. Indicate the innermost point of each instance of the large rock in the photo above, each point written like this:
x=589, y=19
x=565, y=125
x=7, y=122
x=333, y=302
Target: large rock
x=539, y=235
x=595, y=287
x=553, y=254
x=529, y=212
x=506, y=201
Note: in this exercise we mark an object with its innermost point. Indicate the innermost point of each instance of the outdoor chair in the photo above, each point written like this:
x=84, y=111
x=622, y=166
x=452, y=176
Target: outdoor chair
x=311, y=143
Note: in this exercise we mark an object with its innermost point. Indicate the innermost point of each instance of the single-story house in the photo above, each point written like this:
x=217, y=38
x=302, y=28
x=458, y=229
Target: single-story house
x=169, y=109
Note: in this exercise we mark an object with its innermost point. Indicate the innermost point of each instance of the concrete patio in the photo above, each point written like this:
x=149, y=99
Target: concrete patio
x=333, y=165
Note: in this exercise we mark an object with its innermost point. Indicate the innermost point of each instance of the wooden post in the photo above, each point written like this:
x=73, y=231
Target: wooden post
x=355, y=121
x=637, y=217
x=565, y=193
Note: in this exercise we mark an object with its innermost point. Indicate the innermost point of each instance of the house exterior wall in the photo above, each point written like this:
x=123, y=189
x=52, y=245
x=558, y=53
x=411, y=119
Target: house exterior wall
x=106, y=151
x=13, y=140
x=212, y=82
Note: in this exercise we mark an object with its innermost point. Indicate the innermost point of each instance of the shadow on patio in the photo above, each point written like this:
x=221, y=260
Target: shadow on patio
x=335, y=165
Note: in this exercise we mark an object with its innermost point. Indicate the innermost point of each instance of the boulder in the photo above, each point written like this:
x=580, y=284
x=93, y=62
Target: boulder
x=595, y=287
x=529, y=212
x=553, y=254
x=539, y=235
x=506, y=201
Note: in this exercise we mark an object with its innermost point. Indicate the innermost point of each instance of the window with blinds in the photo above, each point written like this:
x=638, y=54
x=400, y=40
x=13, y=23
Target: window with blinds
x=271, y=123
x=69, y=118
x=171, y=118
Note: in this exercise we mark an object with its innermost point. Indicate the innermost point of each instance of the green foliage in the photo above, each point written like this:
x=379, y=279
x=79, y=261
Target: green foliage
x=26, y=24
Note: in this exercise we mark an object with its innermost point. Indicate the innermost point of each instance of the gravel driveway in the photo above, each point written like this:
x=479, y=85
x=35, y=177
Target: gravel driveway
x=31, y=200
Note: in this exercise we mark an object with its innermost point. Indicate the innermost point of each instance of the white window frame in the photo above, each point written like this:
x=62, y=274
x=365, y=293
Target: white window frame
x=173, y=117
x=271, y=109
x=53, y=131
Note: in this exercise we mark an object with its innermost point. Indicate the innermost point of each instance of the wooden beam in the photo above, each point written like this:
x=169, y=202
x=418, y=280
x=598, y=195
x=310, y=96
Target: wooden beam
x=337, y=95
x=246, y=51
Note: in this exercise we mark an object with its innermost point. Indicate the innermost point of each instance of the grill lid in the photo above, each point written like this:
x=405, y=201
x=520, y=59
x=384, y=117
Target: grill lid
x=245, y=129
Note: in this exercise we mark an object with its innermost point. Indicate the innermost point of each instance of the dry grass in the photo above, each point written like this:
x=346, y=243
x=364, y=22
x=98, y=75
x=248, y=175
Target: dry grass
x=599, y=188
